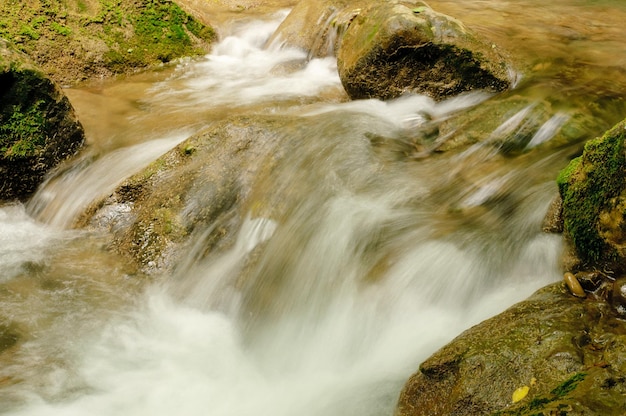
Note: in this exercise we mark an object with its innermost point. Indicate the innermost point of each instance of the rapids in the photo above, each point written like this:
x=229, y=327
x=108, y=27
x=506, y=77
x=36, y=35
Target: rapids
x=386, y=259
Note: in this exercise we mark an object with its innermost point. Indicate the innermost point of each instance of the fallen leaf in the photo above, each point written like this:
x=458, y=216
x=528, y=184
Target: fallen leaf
x=520, y=393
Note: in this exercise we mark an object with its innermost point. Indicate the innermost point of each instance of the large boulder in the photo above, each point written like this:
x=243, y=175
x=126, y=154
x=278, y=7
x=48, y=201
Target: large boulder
x=38, y=126
x=552, y=354
x=197, y=196
x=387, y=49
x=396, y=47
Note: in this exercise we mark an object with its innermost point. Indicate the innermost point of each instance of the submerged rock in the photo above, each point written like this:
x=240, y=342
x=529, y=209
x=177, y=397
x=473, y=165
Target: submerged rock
x=205, y=180
x=38, y=126
x=568, y=354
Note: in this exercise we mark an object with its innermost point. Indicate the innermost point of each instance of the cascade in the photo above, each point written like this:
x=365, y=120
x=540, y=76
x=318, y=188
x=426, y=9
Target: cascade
x=382, y=256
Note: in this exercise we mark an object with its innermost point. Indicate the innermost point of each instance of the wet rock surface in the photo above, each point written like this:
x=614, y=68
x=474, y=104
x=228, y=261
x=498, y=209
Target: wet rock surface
x=204, y=180
x=570, y=353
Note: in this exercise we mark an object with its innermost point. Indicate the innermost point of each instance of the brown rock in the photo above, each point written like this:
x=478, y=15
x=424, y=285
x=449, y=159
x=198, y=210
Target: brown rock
x=397, y=47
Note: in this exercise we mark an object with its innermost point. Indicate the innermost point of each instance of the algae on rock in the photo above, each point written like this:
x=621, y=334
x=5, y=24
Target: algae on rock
x=593, y=189
x=38, y=126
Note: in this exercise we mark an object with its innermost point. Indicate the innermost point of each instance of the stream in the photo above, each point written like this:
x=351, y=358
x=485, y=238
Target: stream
x=383, y=258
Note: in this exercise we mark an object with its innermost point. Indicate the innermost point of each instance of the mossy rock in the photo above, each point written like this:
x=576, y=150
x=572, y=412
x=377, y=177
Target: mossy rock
x=38, y=126
x=593, y=189
x=394, y=48
x=76, y=40
x=568, y=354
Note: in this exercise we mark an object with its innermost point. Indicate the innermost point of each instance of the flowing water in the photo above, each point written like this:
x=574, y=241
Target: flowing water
x=382, y=257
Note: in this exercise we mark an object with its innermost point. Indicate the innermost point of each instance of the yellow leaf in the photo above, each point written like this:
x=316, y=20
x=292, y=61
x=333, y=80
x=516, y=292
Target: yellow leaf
x=520, y=393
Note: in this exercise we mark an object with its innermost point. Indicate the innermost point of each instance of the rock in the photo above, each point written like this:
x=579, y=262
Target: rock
x=387, y=49
x=570, y=353
x=553, y=221
x=38, y=126
x=331, y=18
x=396, y=47
x=203, y=183
x=74, y=41
x=573, y=285
x=196, y=196
x=593, y=189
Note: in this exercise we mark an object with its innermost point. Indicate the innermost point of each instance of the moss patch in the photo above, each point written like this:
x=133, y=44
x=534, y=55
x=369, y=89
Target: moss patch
x=23, y=121
x=588, y=185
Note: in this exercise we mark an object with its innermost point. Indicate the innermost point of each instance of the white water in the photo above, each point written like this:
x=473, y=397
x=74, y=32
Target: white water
x=331, y=341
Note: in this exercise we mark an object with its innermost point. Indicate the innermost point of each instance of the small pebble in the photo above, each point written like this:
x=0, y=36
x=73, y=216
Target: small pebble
x=573, y=285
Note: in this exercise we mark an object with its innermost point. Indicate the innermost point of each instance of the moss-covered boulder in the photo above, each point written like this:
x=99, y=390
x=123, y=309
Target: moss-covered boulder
x=38, y=126
x=593, y=189
x=396, y=47
x=80, y=39
x=552, y=354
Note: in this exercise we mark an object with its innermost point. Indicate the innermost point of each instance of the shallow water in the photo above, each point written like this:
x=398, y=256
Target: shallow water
x=381, y=256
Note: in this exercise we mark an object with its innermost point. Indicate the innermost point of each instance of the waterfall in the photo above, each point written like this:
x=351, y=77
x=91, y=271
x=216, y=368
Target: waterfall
x=381, y=258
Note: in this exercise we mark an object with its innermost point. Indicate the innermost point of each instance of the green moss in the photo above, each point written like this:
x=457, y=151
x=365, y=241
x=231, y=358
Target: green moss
x=60, y=29
x=538, y=404
x=27, y=30
x=161, y=34
x=23, y=132
x=567, y=173
x=587, y=185
x=161, y=30
x=567, y=386
x=23, y=122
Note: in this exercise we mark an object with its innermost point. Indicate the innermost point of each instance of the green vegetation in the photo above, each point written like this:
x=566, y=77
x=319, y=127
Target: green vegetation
x=24, y=131
x=23, y=122
x=74, y=39
x=567, y=386
x=60, y=29
x=588, y=185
